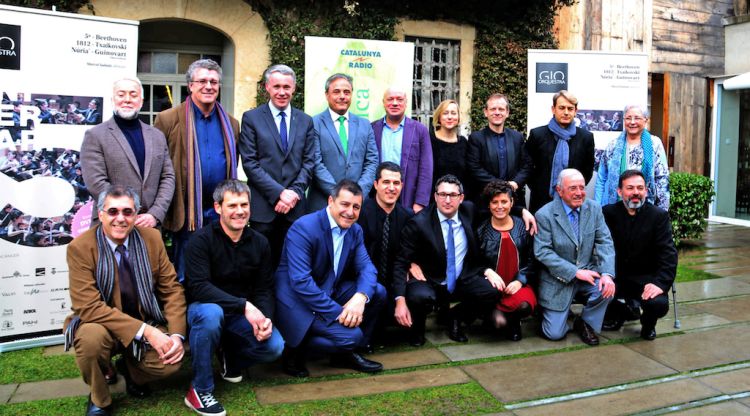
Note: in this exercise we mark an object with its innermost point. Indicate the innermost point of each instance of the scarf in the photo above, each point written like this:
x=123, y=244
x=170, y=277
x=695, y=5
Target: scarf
x=619, y=164
x=105, y=281
x=194, y=200
x=562, y=150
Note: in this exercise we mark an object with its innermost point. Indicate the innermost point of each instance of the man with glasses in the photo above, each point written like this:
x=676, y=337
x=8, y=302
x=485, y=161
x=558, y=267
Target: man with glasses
x=202, y=139
x=441, y=241
x=125, y=151
x=125, y=299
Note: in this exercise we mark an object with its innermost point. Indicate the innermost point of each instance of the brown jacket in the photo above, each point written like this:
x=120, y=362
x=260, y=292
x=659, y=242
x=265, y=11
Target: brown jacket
x=172, y=123
x=87, y=302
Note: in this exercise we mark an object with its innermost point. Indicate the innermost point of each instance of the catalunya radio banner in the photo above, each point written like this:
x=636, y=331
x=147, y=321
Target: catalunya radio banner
x=56, y=75
x=374, y=65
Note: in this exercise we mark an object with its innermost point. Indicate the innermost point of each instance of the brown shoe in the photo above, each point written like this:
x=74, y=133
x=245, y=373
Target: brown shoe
x=588, y=336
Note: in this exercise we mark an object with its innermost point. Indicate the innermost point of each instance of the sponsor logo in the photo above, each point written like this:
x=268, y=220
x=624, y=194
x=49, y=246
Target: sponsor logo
x=7, y=312
x=551, y=77
x=53, y=271
x=31, y=292
x=30, y=322
x=6, y=326
x=29, y=311
x=54, y=321
x=8, y=294
x=10, y=46
x=40, y=272
x=58, y=289
x=361, y=59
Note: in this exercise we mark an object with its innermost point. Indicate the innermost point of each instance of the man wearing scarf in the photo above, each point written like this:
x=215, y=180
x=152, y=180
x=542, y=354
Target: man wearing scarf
x=202, y=141
x=125, y=299
x=558, y=145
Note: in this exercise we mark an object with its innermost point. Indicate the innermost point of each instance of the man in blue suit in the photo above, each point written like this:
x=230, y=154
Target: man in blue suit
x=277, y=146
x=345, y=145
x=327, y=294
x=575, y=248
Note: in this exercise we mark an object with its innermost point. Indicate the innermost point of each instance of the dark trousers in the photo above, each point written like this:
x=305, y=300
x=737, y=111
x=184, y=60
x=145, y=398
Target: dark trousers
x=475, y=293
x=629, y=293
x=275, y=232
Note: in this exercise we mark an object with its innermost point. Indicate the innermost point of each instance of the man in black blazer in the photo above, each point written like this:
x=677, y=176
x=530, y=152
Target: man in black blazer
x=557, y=146
x=496, y=152
x=441, y=241
x=645, y=256
x=277, y=149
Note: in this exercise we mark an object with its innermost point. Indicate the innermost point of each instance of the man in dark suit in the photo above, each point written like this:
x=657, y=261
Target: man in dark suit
x=405, y=142
x=646, y=257
x=557, y=146
x=344, y=146
x=441, y=241
x=576, y=253
x=277, y=145
x=327, y=294
x=382, y=220
x=125, y=299
x=496, y=152
x=125, y=151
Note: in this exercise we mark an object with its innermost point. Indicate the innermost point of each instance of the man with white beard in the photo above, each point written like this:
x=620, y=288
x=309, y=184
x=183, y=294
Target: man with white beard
x=125, y=151
x=645, y=257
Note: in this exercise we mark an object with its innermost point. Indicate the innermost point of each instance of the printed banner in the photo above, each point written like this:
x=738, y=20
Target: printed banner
x=56, y=75
x=375, y=65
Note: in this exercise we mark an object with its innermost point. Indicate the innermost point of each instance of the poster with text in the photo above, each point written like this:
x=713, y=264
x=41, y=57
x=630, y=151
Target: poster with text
x=56, y=75
x=374, y=65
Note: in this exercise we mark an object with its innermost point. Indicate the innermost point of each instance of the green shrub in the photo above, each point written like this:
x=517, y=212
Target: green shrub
x=690, y=196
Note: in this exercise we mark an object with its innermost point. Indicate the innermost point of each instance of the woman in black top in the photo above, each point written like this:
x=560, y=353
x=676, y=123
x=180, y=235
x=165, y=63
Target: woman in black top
x=448, y=148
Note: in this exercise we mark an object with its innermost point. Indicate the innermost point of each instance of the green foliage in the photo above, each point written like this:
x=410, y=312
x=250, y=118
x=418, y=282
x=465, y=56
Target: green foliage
x=62, y=5
x=690, y=196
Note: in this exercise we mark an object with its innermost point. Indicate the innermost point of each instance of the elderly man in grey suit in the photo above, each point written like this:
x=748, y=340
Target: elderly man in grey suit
x=575, y=249
x=125, y=151
x=345, y=145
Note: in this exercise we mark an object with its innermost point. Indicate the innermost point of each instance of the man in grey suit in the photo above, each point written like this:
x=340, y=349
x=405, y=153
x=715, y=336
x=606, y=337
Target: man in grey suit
x=575, y=248
x=125, y=151
x=345, y=145
x=277, y=146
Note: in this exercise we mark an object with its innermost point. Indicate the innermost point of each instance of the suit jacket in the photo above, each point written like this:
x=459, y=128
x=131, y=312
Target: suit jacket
x=422, y=243
x=305, y=280
x=107, y=159
x=269, y=169
x=172, y=123
x=332, y=165
x=561, y=255
x=416, y=161
x=540, y=148
x=643, y=243
x=83, y=256
x=483, y=160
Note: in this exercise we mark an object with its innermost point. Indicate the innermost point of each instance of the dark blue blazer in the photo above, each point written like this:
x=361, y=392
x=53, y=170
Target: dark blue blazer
x=305, y=281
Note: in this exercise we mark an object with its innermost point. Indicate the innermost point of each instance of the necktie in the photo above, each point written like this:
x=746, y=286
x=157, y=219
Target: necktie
x=342, y=134
x=383, y=267
x=128, y=293
x=574, y=222
x=282, y=132
x=451, y=251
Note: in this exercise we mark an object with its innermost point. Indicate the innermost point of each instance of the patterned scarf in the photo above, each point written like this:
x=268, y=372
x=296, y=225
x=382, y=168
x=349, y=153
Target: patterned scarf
x=562, y=150
x=619, y=164
x=194, y=199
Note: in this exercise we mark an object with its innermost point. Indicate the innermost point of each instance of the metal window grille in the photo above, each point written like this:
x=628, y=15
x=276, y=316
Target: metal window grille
x=436, y=75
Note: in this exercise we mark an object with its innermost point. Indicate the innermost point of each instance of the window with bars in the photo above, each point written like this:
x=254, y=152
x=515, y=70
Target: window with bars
x=436, y=75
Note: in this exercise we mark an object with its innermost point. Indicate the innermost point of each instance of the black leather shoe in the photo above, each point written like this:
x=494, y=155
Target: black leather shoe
x=293, y=363
x=94, y=410
x=443, y=316
x=612, y=324
x=588, y=336
x=648, y=333
x=355, y=362
x=513, y=331
x=110, y=374
x=136, y=390
x=416, y=339
x=456, y=333
x=366, y=349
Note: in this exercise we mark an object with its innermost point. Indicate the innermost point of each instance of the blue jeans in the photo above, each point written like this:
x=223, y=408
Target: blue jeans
x=209, y=326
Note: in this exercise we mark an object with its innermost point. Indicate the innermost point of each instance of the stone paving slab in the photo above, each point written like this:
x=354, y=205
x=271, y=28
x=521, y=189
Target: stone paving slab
x=700, y=349
x=627, y=401
x=54, y=389
x=505, y=348
x=666, y=325
x=565, y=372
x=291, y=393
x=6, y=391
x=714, y=288
x=731, y=382
x=722, y=264
x=718, y=409
x=732, y=272
x=734, y=309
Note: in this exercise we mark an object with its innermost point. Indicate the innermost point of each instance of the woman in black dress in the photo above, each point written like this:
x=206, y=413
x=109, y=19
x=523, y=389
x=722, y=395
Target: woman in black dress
x=448, y=148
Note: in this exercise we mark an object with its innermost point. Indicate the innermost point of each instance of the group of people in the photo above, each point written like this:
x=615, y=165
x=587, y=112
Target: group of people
x=343, y=229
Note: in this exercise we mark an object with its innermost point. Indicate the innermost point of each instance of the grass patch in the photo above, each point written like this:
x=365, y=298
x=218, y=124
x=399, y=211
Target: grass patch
x=32, y=365
x=686, y=274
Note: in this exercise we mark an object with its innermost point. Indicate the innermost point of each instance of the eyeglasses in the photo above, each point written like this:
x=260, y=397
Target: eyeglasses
x=126, y=212
x=209, y=82
x=631, y=119
x=444, y=196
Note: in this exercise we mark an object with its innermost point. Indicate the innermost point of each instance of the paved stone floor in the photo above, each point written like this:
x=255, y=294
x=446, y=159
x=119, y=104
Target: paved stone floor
x=700, y=368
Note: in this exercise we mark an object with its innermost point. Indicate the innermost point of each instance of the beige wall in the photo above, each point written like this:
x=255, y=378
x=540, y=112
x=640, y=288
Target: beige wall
x=737, y=38
x=444, y=30
x=234, y=18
